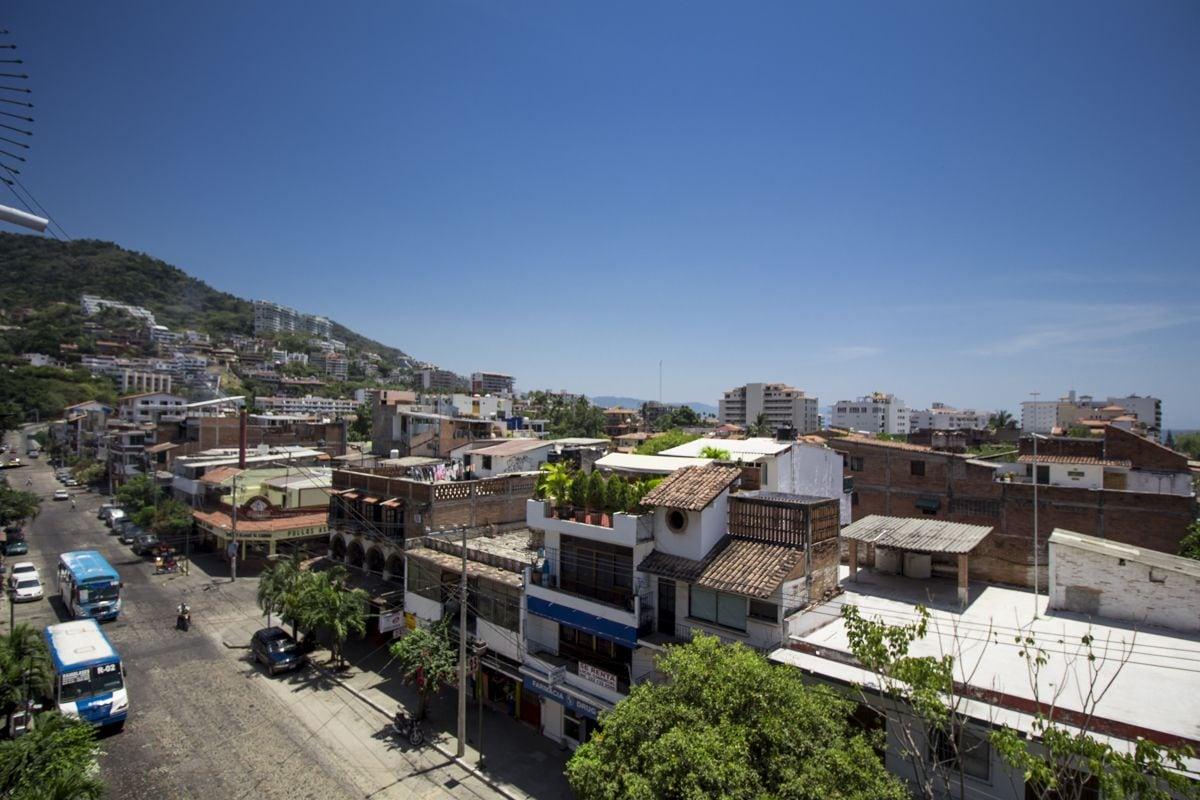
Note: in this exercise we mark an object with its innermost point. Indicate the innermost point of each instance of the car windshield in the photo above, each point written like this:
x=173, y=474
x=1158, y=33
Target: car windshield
x=281, y=645
x=89, y=681
x=28, y=583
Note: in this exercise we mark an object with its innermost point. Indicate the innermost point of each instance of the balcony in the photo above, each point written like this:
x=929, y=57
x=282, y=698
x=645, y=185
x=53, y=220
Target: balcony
x=619, y=528
x=611, y=622
x=608, y=680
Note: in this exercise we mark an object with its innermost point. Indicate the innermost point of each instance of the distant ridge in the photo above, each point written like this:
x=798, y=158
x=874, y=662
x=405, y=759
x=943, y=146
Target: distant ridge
x=36, y=271
x=608, y=400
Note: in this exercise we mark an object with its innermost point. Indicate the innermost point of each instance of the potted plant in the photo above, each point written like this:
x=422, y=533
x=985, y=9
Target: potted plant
x=555, y=484
x=595, y=497
x=578, y=495
x=614, y=497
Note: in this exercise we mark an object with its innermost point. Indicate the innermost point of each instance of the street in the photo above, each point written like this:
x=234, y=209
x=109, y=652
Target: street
x=204, y=720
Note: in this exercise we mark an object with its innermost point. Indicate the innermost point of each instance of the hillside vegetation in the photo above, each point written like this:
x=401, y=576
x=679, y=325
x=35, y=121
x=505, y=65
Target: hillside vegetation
x=36, y=272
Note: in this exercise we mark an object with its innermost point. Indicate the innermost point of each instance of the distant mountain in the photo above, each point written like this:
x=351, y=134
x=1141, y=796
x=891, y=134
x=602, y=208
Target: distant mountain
x=37, y=271
x=607, y=401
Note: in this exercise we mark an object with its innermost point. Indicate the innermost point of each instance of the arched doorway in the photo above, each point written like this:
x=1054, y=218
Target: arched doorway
x=395, y=568
x=337, y=549
x=355, y=554
x=375, y=561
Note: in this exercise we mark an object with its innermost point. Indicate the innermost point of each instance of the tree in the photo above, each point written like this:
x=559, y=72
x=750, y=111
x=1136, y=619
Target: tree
x=718, y=453
x=360, y=429
x=672, y=438
x=595, y=492
x=555, y=483
x=1188, y=443
x=761, y=426
x=579, y=487
x=921, y=697
x=1189, y=545
x=427, y=659
x=727, y=723
x=89, y=472
x=322, y=600
x=681, y=417
x=26, y=672
x=277, y=586
x=16, y=505
x=136, y=493
x=1001, y=419
x=170, y=519
x=55, y=759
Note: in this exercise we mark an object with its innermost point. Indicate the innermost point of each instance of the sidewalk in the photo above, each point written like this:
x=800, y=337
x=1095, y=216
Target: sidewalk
x=519, y=761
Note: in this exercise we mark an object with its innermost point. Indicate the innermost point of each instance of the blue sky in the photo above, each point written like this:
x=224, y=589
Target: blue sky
x=950, y=201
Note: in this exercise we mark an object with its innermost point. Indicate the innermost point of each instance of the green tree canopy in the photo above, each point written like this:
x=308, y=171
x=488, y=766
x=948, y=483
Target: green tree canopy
x=16, y=505
x=323, y=601
x=25, y=669
x=360, y=429
x=136, y=493
x=672, y=438
x=55, y=760
x=718, y=453
x=729, y=724
x=427, y=659
x=1189, y=545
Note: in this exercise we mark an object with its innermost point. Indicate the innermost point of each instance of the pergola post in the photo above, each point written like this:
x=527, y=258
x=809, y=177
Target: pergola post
x=853, y=559
x=963, y=594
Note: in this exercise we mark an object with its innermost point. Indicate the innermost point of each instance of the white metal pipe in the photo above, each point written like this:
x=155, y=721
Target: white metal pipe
x=25, y=220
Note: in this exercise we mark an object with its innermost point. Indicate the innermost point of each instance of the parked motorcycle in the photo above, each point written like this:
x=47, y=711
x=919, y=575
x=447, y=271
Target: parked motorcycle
x=408, y=728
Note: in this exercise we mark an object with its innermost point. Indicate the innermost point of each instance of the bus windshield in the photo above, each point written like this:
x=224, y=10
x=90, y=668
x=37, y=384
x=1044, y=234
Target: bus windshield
x=89, y=681
x=96, y=595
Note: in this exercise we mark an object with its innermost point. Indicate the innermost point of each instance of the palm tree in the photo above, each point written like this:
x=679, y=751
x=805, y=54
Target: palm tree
x=25, y=668
x=555, y=483
x=322, y=600
x=55, y=759
x=1000, y=419
x=716, y=453
x=761, y=426
x=276, y=586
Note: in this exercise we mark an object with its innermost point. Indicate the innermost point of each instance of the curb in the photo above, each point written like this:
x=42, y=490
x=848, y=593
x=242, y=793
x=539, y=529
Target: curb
x=431, y=742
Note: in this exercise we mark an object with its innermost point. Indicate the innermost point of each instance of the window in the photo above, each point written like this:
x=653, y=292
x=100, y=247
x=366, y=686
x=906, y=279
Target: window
x=487, y=462
x=764, y=611
x=856, y=463
x=917, y=468
x=677, y=520
x=499, y=605
x=973, y=753
x=424, y=579
x=854, y=498
x=727, y=610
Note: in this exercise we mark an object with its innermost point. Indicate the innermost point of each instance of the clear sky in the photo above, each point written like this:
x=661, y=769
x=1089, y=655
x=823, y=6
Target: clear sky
x=953, y=201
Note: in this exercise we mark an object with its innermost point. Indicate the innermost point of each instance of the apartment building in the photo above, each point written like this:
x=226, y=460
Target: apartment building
x=941, y=417
x=1121, y=487
x=91, y=305
x=401, y=428
x=784, y=406
x=333, y=365
x=610, y=594
x=1039, y=416
x=491, y=383
x=873, y=413
x=273, y=318
x=1043, y=416
x=151, y=407
x=308, y=404
x=441, y=380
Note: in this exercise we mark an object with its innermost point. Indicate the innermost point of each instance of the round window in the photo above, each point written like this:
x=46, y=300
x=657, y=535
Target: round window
x=677, y=520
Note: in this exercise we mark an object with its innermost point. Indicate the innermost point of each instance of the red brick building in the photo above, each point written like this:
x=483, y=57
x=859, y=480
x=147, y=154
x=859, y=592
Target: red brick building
x=906, y=480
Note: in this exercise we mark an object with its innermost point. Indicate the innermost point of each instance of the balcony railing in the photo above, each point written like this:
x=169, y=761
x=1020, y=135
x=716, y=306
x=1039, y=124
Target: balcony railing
x=549, y=653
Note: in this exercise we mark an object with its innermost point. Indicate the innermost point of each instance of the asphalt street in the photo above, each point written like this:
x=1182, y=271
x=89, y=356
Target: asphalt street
x=204, y=720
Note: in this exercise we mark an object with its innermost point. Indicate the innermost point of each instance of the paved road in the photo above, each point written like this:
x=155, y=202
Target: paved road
x=204, y=721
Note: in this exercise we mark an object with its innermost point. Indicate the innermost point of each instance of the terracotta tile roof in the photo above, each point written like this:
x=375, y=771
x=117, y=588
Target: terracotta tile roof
x=750, y=568
x=916, y=448
x=219, y=519
x=512, y=447
x=1085, y=460
x=738, y=566
x=475, y=569
x=218, y=475
x=692, y=488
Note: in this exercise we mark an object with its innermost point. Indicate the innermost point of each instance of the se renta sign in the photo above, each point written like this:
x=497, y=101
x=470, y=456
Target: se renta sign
x=390, y=620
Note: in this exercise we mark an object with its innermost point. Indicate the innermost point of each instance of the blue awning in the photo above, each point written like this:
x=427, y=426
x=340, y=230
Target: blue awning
x=598, y=626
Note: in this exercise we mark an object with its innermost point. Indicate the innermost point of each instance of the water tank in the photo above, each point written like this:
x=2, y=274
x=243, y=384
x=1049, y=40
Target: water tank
x=393, y=453
x=917, y=565
x=887, y=560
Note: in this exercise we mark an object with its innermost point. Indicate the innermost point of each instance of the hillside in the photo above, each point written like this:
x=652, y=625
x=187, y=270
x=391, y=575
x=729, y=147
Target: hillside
x=608, y=401
x=36, y=271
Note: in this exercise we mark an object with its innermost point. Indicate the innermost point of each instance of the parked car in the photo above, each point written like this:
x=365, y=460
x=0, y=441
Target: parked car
x=145, y=544
x=130, y=533
x=70, y=482
x=113, y=517
x=26, y=589
x=22, y=569
x=33, y=454
x=62, y=494
x=14, y=462
x=16, y=548
x=277, y=650
x=102, y=511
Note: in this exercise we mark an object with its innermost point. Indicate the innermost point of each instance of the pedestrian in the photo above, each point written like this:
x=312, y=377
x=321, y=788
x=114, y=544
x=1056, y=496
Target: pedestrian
x=29, y=481
x=72, y=503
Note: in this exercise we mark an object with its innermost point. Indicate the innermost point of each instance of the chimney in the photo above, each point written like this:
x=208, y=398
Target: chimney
x=242, y=439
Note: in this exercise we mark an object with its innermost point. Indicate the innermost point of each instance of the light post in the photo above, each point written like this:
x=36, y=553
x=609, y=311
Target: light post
x=1036, y=582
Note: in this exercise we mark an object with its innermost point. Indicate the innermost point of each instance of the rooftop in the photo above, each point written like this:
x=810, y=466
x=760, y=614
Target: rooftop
x=1155, y=687
x=512, y=447
x=856, y=439
x=916, y=533
x=1080, y=460
x=739, y=566
x=760, y=446
x=692, y=488
x=651, y=465
x=220, y=519
x=783, y=498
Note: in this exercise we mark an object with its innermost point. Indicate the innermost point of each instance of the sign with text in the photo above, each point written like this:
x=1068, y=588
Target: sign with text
x=598, y=676
x=390, y=620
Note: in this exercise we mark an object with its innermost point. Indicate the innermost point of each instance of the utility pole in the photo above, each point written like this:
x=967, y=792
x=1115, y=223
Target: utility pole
x=1036, y=409
x=462, y=653
x=233, y=533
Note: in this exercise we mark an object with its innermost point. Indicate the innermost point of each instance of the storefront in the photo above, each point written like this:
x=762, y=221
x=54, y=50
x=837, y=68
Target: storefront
x=502, y=687
x=567, y=715
x=262, y=538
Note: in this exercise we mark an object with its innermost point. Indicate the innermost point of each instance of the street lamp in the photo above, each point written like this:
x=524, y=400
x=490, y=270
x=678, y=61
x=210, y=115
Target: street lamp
x=25, y=220
x=1036, y=582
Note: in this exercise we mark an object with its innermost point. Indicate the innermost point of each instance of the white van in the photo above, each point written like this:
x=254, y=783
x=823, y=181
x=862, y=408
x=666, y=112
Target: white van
x=113, y=517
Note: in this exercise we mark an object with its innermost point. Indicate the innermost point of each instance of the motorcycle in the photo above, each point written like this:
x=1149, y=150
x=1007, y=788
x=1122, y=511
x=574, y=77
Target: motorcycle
x=183, y=619
x=406, y=727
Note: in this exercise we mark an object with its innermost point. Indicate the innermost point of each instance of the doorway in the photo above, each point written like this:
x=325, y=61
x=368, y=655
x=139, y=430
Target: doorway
x=666, y=606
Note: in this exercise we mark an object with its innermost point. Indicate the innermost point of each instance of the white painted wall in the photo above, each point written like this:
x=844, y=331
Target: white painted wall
x=422, y=607
x=817, y=470
x=500, y=640
x=1079, y=476
x=704, y=529
x=1144, y=480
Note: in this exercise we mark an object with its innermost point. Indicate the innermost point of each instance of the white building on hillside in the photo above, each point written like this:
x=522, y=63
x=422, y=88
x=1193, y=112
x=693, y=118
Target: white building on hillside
x=941, y=417
x=784, y=407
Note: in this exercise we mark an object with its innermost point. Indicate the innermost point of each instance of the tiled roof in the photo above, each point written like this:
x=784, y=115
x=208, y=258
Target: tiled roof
x=693, y=488
x=922, y=535
x=750, y=568
x=1083, y=460
x=218, y=475
x=219, y=519
x=512, y=447
x=915, y=448
x=739, y=566
x=475, y=569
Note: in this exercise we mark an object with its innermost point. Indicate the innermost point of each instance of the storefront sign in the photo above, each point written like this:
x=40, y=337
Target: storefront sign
x=390, y=620
x=598, y=676
x=559, y=696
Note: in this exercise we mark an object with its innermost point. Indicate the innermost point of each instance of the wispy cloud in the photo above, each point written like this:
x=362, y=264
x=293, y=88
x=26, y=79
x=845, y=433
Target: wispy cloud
x=852, y=351
x=1060, y=325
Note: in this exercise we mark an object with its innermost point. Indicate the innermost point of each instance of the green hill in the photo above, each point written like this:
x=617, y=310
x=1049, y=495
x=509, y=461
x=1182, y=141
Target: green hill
x=36, y=272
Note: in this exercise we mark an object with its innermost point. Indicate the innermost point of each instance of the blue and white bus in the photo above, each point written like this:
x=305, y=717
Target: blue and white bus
x=89, y=678
x=88, y=585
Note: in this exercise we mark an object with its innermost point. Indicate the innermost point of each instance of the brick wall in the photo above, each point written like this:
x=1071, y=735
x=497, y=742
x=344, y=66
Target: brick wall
x=1144, y=453
x=1087, y=582
x=967, y=493
x=825, y=559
